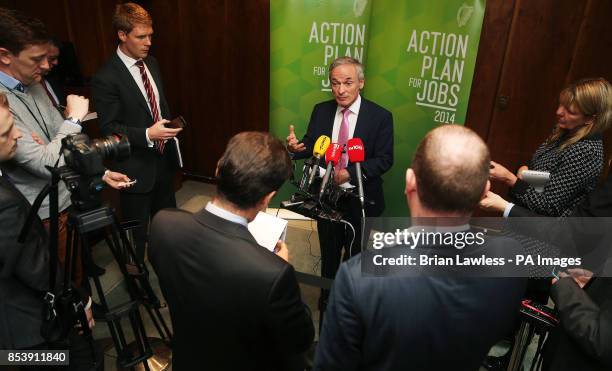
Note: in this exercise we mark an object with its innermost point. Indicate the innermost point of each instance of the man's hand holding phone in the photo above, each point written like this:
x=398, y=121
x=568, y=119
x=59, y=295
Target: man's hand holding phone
x=178, y=122
x=159, y=131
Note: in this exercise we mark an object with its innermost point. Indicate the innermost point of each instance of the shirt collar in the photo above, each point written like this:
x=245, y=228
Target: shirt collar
x=354, y=108
x=11, y=82
x=224, y=214
x=128, y=61
x=440, y=229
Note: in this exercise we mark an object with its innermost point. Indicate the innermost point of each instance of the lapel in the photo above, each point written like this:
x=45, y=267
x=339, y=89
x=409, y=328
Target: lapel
x=6, y=184
x=224, y=226
x=125, y=75
x=362, y=120
x=330, y=117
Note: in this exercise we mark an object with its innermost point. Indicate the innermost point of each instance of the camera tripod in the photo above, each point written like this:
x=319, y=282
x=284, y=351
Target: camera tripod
x=136, y=276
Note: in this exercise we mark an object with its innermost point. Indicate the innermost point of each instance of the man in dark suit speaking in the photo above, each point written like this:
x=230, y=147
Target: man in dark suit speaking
x=234, y=304
x=129, y=98
x=347, y=116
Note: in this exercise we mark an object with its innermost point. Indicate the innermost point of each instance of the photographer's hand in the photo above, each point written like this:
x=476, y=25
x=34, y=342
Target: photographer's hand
x=116, y=180
x=159, y=131
x=76, y=106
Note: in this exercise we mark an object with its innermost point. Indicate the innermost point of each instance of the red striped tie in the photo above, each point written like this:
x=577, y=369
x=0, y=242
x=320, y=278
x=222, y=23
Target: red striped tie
x=159, y=144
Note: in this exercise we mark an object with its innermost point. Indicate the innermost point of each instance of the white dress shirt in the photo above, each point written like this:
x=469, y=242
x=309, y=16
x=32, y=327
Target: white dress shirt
x=354, y=108
x=130, y=64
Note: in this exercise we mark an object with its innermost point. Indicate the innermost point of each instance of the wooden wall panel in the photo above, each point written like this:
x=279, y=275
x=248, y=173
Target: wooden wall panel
x=594, y=44
x=537, y=59
x=214, y=56
x=593, y=53
x=219, y=80
x=90, y=44
x=489, y=62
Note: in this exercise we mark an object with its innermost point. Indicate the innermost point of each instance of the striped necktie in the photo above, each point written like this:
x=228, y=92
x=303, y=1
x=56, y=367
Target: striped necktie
x=159, y=144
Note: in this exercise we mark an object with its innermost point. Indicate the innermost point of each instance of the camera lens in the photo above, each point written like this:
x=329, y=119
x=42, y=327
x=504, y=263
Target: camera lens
x=112, y=147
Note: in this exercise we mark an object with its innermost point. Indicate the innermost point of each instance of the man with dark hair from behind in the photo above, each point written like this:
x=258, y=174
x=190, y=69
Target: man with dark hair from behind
x=427, y=322
x=234, y=304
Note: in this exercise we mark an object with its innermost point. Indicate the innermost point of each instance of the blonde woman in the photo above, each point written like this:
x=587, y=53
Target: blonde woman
x=573, y=154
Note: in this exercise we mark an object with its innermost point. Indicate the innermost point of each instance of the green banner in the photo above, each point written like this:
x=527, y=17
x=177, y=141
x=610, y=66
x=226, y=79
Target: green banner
x=419, y=59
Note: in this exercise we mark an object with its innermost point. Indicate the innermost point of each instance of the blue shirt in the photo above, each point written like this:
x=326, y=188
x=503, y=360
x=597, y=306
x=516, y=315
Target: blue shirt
x=224, y=214
x=11, y=82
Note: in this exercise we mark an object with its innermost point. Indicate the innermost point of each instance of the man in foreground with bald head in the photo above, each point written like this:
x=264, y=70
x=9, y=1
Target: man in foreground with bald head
x=424, y=321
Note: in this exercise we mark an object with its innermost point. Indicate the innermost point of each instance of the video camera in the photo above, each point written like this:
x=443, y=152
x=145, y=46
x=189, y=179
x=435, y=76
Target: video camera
x=84, y=165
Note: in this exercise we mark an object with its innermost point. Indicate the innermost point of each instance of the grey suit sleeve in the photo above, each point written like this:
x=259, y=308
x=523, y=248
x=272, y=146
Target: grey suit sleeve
x=341, y=337
x=287, y=316
x=588, y=324
x=109, y=107
x=33, y=156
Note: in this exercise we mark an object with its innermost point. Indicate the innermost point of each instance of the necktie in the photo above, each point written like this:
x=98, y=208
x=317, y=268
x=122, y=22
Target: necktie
x=343, y=137
x=43, y=82
x=20, y=87
x=159, y=144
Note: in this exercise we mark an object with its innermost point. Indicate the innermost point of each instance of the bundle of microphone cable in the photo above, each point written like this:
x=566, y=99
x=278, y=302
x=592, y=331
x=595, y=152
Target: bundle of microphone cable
x=317, y=196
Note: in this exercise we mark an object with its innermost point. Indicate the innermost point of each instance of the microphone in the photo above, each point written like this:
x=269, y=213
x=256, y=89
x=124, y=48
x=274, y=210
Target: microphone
x=318, y=151
x=356, y=155
x=332, y=156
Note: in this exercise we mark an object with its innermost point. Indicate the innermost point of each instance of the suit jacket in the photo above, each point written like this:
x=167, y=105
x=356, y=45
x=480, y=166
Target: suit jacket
x=583, y=232
x=24, y=272
x=395, y=322
x=375, y=128
x=584, y=339
x=234, y=305
x=123, y=109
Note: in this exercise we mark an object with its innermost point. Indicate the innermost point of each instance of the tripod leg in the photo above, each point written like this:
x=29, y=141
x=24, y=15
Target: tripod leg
x=164, y=333
x=141, y=337
x=142, y=286
x=114, y=331
x=138, y=329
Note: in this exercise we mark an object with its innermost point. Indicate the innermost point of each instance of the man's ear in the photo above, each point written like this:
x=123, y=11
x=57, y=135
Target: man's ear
x=361, y=84
x=6, y=56
x=122, y=35
x=217, y=169
x=265, y=201
x=487, y=188
x=411, y=184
